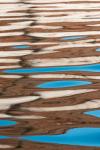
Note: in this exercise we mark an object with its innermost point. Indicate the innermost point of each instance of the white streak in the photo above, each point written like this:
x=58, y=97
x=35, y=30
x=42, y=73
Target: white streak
x=13, y=14
x=66, y=19
x=12, y=43
x=11, y=76
x=62, y=34
x=11, y=34
x=63, y=93
x=7, y=67
x=86, y=105
x=21, y=117
x=5, y=146
x=67, y=45
x=77, y=14
x=58, y=1
x=9, y=60
x=46, y=27
x=65, y=61
x=62, y=6
x=5, y=103
x=94, y=25
x=61, y=76
x=9, y=1
x=17, y=25
x=15, y=53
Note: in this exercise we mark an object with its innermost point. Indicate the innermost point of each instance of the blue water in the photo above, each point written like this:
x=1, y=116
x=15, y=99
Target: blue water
x=86, y=68
x=98, y=49
x=21, y=46
x=95, y=113
x=74, y=37
x=4, y=137
x=6, y=123
x=77, y=136
x=64, y=83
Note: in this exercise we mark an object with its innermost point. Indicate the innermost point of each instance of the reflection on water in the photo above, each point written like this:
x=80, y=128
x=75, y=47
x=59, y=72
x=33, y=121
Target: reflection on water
x=77, y=136
x=64, y=83
x=21, y=46
x=95, y=113
x=6, y=123
x=74, y=37
x=86, y=68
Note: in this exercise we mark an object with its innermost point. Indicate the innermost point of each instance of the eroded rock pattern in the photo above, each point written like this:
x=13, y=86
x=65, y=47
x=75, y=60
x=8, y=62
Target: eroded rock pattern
x=49, y=72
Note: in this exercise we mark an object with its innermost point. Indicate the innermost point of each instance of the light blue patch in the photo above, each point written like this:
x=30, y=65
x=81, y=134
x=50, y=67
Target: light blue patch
x=98, y=49
x=6, y=123
x=74, y=37
x=84, y=68
x=95, y=113
x=63, y=84
x=21, y=46
x=77, y=136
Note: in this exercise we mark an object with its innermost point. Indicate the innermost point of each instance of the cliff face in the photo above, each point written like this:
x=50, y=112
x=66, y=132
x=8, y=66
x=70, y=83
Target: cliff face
x=49, y=72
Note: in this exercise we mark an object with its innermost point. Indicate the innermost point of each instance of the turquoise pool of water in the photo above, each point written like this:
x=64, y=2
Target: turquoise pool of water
x=6, y=123
x=21, y=46
x=4, y=137
x=84, y=68
x=63, y=83
x=95, y=113
x=77, y=136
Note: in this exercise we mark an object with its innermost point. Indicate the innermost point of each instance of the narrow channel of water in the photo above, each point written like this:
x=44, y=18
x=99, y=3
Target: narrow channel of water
x=84, y=68
x=63, y=84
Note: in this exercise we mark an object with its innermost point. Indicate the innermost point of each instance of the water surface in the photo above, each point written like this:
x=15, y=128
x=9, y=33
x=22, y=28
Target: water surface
x=77, y=136
x=63, y=83
x=95, y=113
x=6, y=123
x=84, y=68
x=21, y=46
x=74, y=37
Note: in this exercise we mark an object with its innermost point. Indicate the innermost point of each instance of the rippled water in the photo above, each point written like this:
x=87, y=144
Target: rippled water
x=50, y=36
